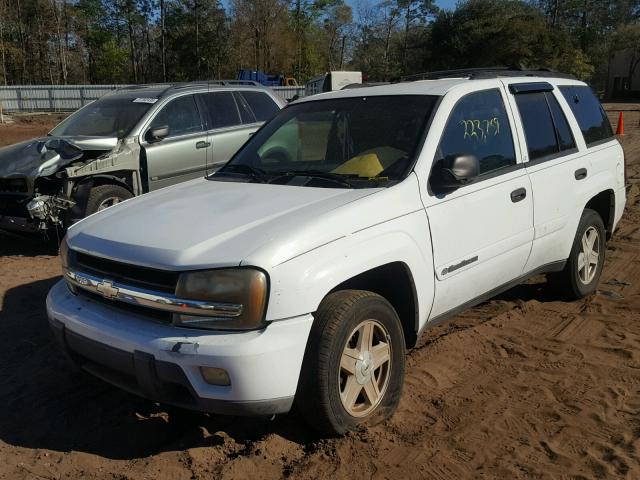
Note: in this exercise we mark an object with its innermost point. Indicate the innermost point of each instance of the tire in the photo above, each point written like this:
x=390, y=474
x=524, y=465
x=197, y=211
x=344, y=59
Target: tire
x=577, y=280
x=102, y=195
x=334, y=399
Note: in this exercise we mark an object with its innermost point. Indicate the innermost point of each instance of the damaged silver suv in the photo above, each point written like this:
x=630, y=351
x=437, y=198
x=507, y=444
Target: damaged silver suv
x=127, y=143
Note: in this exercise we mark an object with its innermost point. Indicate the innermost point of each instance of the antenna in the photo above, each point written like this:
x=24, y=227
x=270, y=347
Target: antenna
x=208, y=139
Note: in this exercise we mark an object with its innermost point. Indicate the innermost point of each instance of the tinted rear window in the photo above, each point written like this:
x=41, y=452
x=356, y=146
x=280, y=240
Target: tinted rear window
x=538, y=125
x=222, y=108
x=262, y=105
x=545, y=126
x=565, y=137
x=589, y=113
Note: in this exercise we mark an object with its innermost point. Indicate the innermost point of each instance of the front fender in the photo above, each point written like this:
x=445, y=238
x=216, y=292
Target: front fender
x=299, y=285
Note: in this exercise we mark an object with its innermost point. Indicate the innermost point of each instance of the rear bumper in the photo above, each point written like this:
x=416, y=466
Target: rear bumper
x=162, y=362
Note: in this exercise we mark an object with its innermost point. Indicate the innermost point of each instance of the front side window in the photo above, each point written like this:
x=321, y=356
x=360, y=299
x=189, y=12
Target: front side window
x=546, y=128
x=354, y=142
x=479, y=126
x=180, y=115
x=590, y=115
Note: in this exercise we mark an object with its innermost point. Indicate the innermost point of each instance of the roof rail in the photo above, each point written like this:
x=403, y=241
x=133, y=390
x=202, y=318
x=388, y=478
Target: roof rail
x=220, y=83
x=487, y=72
x=180, y=85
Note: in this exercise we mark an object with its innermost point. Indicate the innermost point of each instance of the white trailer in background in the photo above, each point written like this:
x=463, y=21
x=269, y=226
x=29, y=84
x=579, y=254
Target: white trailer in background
x=330, y=81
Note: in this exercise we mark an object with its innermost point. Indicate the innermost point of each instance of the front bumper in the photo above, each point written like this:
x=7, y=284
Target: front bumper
x=18, y=224
x=162, y=362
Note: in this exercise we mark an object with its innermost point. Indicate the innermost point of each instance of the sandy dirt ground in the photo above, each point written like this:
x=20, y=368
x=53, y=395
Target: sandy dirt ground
x=523, y=386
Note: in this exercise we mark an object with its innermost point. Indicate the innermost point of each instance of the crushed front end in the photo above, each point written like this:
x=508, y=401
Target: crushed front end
x=35, y=193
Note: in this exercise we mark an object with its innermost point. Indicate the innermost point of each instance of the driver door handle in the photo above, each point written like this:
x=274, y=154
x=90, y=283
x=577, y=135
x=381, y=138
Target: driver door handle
x=203, y=144
x=580, y=174
x=518, y=195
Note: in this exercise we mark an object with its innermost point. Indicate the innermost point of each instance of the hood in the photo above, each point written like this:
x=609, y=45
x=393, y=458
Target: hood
x=208, y=224
x=44, y=156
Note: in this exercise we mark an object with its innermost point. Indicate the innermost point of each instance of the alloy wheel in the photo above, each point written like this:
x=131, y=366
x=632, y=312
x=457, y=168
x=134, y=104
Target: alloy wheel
x=589, y=255
x=108, y=202
x=365, y=366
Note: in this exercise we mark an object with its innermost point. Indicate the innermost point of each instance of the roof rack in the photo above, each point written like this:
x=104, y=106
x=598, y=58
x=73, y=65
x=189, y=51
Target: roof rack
x=484, y=73
x=219, y=83
x=179, y=85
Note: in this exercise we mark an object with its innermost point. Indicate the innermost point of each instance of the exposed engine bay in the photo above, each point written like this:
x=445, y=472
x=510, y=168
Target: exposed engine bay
x=44, y=183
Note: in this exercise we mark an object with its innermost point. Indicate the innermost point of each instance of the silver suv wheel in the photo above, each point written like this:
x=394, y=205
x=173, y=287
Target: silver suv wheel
x=589, y=255
x=364, y=368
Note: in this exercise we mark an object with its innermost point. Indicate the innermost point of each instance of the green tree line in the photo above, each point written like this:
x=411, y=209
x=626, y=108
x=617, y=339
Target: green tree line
x=143, y=41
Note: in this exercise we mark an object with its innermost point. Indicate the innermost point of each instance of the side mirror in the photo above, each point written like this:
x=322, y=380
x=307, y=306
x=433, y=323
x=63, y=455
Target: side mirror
x=157, y=133
x=455, y=171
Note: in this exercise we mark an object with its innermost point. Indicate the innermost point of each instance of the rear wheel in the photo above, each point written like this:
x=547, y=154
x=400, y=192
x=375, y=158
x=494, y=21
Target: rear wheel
x=105, y=196
x=353, y=370
x=582, y=272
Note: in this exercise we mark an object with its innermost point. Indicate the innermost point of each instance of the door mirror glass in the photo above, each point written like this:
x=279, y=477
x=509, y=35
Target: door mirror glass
x=455, y=171
x=157, y=133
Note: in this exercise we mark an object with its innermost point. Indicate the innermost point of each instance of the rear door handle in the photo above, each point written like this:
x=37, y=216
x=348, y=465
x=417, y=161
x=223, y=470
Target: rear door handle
x=519, y=194
x=580, y=174
x=203, y=144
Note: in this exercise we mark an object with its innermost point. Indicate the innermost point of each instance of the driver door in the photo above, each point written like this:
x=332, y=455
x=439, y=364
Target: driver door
x=481, y=232
x=182, y=154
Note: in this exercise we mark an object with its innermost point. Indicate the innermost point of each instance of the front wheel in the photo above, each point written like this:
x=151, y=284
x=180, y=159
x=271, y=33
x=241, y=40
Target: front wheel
x=105, y=196
x=353, y=369
x=581, y=274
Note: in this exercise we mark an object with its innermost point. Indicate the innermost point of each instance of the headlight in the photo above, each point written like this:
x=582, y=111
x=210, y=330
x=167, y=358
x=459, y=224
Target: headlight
x=242, y=291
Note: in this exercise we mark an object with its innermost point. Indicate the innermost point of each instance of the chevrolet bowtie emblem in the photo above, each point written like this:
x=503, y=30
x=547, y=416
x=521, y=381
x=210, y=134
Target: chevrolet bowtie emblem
x=107, y=289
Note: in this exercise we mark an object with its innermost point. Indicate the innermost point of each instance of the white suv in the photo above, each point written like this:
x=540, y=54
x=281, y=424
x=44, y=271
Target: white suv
x=303, y=269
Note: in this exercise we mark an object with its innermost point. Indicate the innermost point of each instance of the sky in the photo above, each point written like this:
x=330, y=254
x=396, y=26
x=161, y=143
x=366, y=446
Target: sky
x=447, y=4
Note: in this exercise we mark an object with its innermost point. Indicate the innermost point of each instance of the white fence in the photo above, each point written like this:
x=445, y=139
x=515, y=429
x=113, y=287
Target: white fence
x=67, y=98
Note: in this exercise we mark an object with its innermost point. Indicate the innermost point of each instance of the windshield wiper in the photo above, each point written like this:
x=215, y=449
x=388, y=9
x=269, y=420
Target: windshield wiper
x=253, y=172
x=333, y=177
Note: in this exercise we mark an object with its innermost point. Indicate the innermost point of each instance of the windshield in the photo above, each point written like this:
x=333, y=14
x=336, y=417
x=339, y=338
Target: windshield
x=107, y=117
x=358, y=142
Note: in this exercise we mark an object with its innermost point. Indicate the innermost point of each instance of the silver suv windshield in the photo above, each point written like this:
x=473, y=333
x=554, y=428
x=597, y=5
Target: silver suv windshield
x=358, y=142
x=107, y=117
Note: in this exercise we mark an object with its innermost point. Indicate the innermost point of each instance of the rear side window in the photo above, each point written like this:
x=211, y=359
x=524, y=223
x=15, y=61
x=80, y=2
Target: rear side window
x=545, y=126
x=589, y=113
x=262, y=105
x=479, y=126
x=563, y=131
x=222, y=109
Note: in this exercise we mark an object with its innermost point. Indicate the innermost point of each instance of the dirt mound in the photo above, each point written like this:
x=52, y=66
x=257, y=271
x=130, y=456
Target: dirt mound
x=523, y=386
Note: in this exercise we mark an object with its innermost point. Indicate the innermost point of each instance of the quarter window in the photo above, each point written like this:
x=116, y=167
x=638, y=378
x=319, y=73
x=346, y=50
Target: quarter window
x=545, y=126
x=222, y=109
x=589, y=113
x=180, y=115
x=246, y=115
x=479, y=126
x=262, y=105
